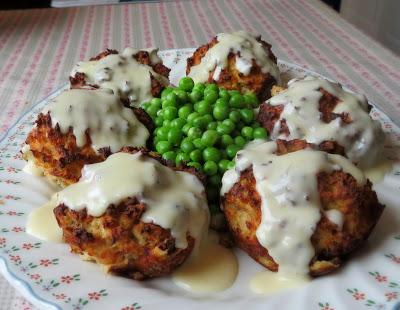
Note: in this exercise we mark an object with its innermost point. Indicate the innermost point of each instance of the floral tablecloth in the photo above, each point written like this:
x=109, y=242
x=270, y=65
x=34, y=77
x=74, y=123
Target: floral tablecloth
x=39, y=47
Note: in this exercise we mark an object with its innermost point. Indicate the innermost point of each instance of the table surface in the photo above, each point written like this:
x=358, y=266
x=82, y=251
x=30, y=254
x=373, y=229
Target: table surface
x=38, y=48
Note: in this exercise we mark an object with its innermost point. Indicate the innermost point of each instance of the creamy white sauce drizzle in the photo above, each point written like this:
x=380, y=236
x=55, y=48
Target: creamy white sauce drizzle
x=378, y=170
x=110, y=124
x=290, y=202
x=214, y=269
x=246, y=48
x=268, y=282
x=336, y=217
x=175, y=200
x=121, y=73
x=362, y=139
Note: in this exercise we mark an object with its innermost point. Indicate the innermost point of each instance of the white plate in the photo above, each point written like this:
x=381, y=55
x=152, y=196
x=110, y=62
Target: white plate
x=52, y=278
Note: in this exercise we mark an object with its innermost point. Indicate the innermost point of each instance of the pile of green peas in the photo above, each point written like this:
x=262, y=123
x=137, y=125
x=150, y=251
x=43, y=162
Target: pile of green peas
x=204, y=127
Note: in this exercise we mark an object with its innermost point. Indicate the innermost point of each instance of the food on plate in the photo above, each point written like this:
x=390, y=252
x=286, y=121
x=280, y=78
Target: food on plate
x=296, y=209
x=134, y=75
x=203, y=126
x=82, y=126
x=134, y=214
x=236, y=61
x=322, y=113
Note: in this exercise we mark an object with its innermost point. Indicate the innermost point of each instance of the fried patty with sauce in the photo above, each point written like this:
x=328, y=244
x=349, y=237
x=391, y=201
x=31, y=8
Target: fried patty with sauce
x=338, y=190
x=59, y=157
x=119, y=241
x=231, y=79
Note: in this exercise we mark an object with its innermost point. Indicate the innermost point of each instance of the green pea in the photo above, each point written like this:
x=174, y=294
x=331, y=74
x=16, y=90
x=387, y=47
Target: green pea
x=255, y=125
x=204, y=107
x=251, y=100
x=236, y=101
x=158, y=121
x=170, y=113
x=215, y=180
x=209, y=137
x=223, y=93
x=208, y=118
x=166, y=91
x=199, y=87
x=170, y=155
x=160, y=113
x=172, y=96
x=156, y=102
x=152, y=111
x=226, y=140
x=234, y=116
x=187, y=146
x=186, y=83
x=220, y=112
x=192, y=116
x=211, y=87
x=231, y=165
x=194, y=132
x=247, y=132
x=240, y=141
x=260, y=133
x=175, y=136
x=195, y=96
x=223, y=102
x=163, y=147
x=247, y=115
x=185, y=128
x=181, y=95
x=166, y=123
x=181, y=158
x=198, y=143
x=195, y=155
x=230, y=124
x=178, y=123
x=210, y=168
x=184, y=111
x=211, y=96
x=233, y=92
x=212, y=125
x=145, y=105
x=223, y=165
x=162, y=133
x=232, y=149
x=195, y=165
x=223, y=129
x=211, y=154
x=200, y=122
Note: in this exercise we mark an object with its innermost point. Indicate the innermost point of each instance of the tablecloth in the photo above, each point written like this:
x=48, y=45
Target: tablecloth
x=38, y=48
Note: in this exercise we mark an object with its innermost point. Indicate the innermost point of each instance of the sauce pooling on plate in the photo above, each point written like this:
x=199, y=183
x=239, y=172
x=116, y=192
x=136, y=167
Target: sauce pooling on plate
x=290, y=203
x=102, y=114
x=245, y=46
x=123, y=74
x=361, y=137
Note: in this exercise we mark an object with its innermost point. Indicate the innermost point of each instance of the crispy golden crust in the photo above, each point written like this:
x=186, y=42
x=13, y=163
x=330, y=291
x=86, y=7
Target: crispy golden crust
x=143, y=57
x=120, y=241
x=270, y=114
x=338, y=190
x=231, y=79
x=57, y=153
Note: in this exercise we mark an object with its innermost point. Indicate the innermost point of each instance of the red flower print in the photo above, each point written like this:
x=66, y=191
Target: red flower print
x=12, y=213
x=327, y=308
x=17, y=229
x=35, y=276
x=27, y=246
x=67, y=279
x=358, y=296
x=45, y=262
x=2, y=241
x=94, y=295
x=60, y=296
x=391, y=296
x=15, y=258
x=128, y=308
x=11, y=169
x=380, y=278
